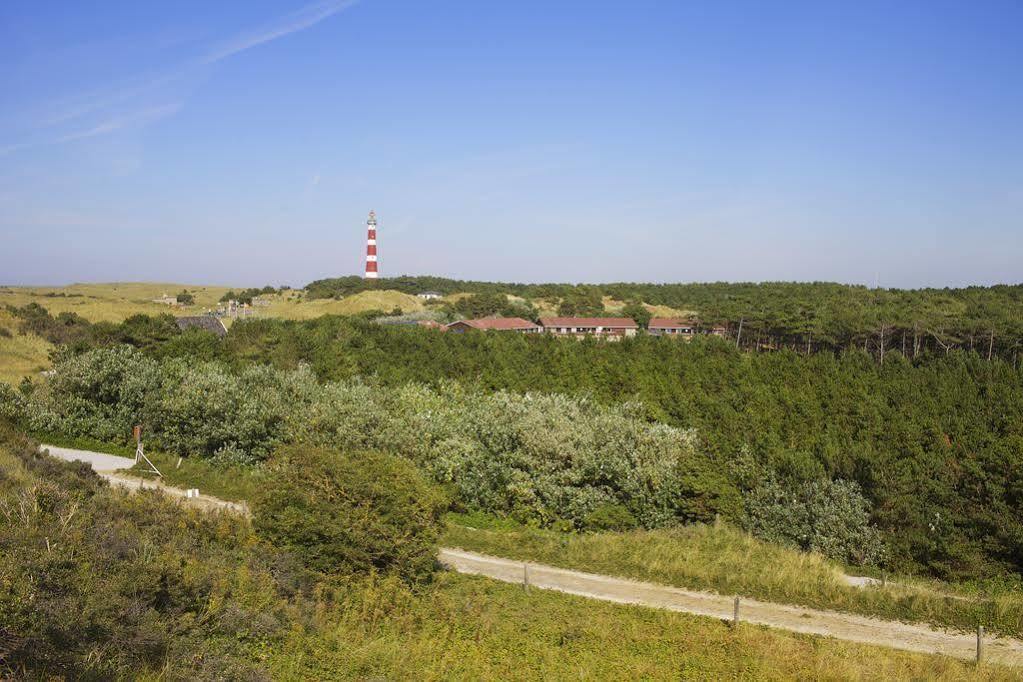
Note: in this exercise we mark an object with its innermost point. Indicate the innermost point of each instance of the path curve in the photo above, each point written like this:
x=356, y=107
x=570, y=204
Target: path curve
x=844, y=626
x=110, y=466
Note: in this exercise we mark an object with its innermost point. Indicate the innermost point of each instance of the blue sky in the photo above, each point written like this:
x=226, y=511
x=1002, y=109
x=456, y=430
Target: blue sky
x=244, y=142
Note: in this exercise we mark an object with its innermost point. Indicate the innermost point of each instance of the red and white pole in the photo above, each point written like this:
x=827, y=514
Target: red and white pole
x=371, y=246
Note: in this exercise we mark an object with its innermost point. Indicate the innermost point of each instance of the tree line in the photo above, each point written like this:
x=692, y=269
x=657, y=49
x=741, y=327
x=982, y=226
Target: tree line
x=807, y=317
x=934, y=442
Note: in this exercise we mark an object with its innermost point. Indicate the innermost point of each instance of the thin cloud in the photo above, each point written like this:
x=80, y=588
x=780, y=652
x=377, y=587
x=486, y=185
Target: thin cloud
x=132, y=119
x=298, y=21
x=137, y=118
x=92, y=104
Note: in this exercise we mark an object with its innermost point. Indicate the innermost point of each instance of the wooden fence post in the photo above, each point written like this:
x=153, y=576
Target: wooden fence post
x=735, y=613
x=525, y=577
x=980, y=643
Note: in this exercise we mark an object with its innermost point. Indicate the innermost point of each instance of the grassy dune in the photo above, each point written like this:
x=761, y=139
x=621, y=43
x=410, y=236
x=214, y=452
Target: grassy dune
x=728, y=561
x=298, y=308
x=21, y=355
x=111, y=302
x=472, y=628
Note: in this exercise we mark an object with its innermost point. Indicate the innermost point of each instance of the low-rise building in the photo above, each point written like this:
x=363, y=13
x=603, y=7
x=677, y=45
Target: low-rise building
x=613, y=327
x=663, y=326
x=507, y=324
x=430, y=295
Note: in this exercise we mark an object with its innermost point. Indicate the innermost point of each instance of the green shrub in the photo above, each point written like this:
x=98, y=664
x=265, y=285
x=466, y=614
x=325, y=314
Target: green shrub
x=611, y=517
x=12, y=403
x=351, y=514
x=829, y=517
x=538, y=458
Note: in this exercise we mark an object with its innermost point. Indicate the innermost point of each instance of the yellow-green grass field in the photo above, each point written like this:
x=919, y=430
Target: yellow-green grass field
x=295, y=307
x=21, y=355
x=113, y=302
x=471, y=628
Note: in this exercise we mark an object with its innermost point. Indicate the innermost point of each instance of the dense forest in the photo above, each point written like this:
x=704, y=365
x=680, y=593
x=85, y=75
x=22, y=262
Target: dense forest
x=799, y=316
x=934, y=443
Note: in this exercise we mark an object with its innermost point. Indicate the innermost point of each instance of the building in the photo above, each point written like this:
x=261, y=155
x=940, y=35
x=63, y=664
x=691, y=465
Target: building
x=371, y=246
x=718, y=330
x=663, y=326
x=430, y=295
x=204, y=322
x=504, y=324
x=612, y=327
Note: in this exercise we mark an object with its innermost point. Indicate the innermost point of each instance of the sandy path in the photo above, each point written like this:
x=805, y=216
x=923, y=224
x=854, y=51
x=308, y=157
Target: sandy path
x=107, y=466
x=852, y=628
x=919, y=638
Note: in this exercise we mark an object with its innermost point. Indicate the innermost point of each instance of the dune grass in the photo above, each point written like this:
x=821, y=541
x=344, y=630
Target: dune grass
x=114, y=301
x=21, y=355
x=299, y=308
x=728, y=561
x=465, y=627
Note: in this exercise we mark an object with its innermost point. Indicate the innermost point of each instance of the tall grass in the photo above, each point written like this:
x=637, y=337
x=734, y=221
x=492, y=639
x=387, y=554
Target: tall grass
x=472, y=628
x=729, y=561
x=21, y=355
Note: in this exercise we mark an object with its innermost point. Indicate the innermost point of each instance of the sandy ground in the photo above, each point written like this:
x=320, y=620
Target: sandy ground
x=918, y=638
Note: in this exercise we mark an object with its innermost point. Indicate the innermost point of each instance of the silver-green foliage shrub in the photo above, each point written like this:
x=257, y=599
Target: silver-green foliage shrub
x=540, y=458
x=829, y=517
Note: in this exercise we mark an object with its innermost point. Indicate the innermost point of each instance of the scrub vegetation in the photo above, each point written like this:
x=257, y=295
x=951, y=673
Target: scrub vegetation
x=102, y=584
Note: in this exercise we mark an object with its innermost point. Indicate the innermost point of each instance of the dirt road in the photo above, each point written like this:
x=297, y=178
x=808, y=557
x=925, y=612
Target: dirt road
x=919, y=638
x=108, y=467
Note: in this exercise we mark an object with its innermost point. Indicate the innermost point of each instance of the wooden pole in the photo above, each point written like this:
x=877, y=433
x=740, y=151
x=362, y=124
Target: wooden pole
x=980, y=643
x=735, y=613
x=525, y=577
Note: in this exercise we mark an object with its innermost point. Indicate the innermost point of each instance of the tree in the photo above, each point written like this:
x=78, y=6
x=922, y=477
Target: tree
x=638, y=312
x=185, y=298
x=348, y=513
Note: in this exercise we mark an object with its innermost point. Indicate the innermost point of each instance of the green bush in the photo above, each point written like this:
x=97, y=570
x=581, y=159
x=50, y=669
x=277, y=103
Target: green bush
x=12, y=403
x=544, y=459
x=351, y=514
x=611, y=517
x=829, y=517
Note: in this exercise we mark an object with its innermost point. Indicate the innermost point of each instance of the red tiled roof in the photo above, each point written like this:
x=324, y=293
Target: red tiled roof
x=606, y=322
x=670, y=323
x=498, y=323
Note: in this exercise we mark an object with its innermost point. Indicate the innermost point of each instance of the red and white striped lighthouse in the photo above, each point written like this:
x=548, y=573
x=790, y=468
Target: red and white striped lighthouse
x=371, y=246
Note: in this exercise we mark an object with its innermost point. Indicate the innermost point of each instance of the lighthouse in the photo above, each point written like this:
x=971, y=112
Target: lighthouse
x=371, y=246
